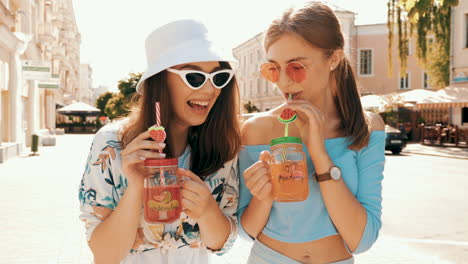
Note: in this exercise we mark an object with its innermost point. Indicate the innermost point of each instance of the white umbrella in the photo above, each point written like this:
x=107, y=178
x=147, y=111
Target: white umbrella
x=415, y=95
x=373, y=102
x=79, y=109
x=447, y=95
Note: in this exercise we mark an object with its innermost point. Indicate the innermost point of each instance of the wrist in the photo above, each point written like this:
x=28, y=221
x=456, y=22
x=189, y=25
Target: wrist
x=317, y=149
x=212, y=212
x=267, y=202
x=320, y=158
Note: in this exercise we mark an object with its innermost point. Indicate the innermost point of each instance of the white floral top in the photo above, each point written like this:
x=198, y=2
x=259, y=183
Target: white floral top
x=103, y=185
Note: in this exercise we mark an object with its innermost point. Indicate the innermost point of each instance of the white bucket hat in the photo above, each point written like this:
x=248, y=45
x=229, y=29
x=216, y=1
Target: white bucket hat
x=179, y=42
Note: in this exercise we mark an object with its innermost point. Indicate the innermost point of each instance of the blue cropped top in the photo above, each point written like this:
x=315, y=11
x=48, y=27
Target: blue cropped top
x=298, y=222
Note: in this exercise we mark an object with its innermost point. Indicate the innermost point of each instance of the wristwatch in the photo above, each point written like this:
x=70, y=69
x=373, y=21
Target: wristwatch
x=333, y=174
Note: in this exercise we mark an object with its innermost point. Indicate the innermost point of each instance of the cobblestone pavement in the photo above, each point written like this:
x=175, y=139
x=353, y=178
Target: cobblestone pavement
x=424, y=218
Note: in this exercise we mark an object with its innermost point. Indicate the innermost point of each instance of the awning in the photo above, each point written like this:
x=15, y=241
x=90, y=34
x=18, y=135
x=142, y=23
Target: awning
x=446, y=98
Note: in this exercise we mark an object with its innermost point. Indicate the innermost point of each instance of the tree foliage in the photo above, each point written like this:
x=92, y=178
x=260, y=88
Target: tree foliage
x=120, y=103
x=423, y=18
x=102, y=101
x=116, y=106
x=127, y=86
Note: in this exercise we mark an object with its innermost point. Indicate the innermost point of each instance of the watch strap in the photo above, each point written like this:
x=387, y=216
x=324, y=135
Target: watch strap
x=323, y=177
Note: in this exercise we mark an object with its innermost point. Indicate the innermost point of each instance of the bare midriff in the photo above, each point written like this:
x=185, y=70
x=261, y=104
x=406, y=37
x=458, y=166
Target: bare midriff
x=326, y=250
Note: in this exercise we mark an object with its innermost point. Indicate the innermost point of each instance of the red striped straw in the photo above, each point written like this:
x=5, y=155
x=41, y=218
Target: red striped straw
x=158, y=114
x=158, y=123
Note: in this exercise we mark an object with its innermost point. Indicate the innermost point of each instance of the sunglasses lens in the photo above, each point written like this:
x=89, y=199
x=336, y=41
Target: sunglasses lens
x=270, y=72
x=296, y=72
x=195, y=79
x=221, y=79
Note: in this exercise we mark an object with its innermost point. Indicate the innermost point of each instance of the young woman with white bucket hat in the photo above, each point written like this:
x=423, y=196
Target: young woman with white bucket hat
x=192, y=80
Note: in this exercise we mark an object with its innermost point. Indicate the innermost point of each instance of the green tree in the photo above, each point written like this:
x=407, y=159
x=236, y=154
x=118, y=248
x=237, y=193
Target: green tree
x=429, y=18
x=102, y=101
x=127, y=86
x=116, y=106
x=250, y=108
x=120, y=103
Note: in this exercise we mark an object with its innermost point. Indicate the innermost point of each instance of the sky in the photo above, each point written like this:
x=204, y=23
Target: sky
x=113, y=32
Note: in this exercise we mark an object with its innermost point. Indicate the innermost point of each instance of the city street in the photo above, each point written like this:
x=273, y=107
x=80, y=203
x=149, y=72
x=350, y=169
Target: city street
x=424, y=218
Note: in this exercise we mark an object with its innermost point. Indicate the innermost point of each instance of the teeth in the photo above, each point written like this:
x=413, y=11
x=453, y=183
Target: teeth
x=201, y=103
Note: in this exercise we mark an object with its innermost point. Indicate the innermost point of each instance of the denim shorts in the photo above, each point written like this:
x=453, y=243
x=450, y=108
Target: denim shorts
x=261, y=254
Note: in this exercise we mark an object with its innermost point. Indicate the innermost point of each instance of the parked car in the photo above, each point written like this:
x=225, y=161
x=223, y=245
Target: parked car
x=395, y=140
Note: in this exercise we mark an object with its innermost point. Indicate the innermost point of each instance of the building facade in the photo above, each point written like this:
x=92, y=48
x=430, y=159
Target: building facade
x=42, y=31
x=371, y=63
x=86, y=84
x=459, y=47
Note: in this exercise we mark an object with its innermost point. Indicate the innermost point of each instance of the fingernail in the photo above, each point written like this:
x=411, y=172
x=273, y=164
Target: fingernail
x=142, y=158
x=162, y=155
x=162, y=145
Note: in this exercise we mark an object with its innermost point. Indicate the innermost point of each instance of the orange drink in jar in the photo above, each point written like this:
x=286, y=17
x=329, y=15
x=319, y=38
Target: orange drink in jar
x=288, y=170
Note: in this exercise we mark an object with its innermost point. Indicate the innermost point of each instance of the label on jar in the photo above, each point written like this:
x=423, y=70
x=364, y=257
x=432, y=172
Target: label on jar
x=289, y=171
x=164, y=198
x=162, y=203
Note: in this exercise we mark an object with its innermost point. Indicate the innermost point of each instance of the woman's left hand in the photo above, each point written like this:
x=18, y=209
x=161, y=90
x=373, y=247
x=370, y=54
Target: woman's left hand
x=310, y=121
x=196, y=197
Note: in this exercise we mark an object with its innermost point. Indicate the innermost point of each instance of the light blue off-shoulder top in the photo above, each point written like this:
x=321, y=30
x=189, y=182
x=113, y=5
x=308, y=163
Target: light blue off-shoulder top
x=298, y=222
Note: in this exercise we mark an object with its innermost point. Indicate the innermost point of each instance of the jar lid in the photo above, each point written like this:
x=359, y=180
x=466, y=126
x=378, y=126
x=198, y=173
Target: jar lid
x=160, y=162
x=285, y=140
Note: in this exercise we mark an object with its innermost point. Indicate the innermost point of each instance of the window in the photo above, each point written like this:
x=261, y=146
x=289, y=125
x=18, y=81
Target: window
x=251, y=58
x=404, y=82
x=259, y=55
x=266, y=87
x=365, y=62
x=466, y=30
x=426, y=84
x=464, y=115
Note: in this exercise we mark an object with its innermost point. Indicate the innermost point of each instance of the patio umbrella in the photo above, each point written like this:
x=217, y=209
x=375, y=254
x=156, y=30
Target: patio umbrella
x=79, y=109
x=415, y=95
x=448, y=96
x=371, y=102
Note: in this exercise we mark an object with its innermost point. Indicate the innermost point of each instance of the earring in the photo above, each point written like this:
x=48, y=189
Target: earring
x=332, y=68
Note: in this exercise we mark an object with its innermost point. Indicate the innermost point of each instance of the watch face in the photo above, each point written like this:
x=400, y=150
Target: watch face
x=335, y=173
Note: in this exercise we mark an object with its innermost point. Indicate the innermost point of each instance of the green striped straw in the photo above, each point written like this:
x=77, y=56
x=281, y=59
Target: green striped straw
x=286, y=134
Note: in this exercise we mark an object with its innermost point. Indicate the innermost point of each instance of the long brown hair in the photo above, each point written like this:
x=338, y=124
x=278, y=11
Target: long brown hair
x=318, y=25
x=213, y=143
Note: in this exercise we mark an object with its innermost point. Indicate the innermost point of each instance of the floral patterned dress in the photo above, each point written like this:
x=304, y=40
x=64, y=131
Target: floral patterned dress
x=103, y=185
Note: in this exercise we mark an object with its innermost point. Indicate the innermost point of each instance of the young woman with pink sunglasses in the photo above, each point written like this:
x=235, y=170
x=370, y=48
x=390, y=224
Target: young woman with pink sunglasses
x=344, y=146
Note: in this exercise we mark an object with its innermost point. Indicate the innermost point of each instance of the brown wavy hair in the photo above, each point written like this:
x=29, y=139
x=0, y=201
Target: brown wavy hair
x=318, y=25
x=212, y=143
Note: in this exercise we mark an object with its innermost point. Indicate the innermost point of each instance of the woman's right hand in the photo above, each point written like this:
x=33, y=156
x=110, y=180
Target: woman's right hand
x=258, y=178
x=139, y=149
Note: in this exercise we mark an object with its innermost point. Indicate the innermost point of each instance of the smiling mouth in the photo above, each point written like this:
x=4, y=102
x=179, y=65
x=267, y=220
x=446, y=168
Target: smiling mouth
x=198, y=106
x=293, y=95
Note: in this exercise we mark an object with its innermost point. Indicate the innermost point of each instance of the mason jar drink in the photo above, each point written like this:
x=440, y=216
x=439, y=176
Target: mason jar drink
x=162, y=202
x=288, y=170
